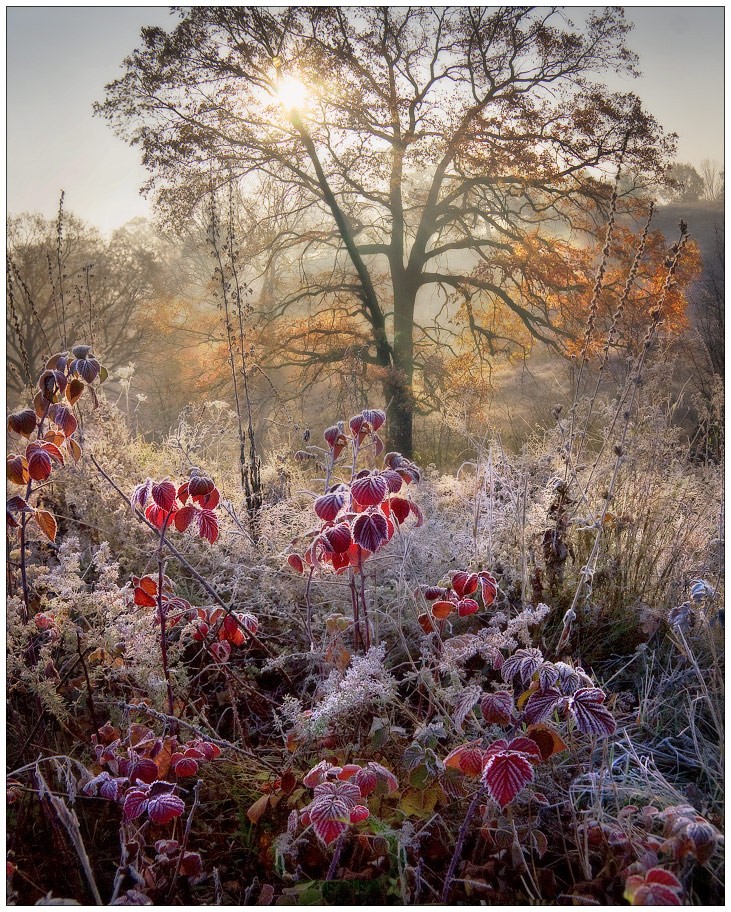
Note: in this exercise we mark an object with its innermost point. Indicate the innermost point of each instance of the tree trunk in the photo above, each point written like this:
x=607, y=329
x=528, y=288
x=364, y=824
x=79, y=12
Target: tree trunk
x=398, y=385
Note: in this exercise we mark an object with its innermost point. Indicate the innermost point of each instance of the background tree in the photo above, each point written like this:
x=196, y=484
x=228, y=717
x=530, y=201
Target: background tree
x=686, y=183
x=68, y=283
x=410, y=162
x=713, y=180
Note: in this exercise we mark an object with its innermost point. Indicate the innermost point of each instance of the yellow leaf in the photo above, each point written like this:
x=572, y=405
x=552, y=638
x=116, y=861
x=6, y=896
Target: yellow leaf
x=257, y=809
x=420, y=802
x=523, y=698
x=46, y=523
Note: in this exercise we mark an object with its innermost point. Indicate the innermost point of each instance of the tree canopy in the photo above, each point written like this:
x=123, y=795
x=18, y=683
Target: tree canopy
x=417, y=175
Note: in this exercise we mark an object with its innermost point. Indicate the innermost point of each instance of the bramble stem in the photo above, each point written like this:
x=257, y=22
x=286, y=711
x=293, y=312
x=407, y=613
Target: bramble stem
x=163, y=615
x=462, y=835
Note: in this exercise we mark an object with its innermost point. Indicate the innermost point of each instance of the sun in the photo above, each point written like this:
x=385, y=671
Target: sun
x=292, y=92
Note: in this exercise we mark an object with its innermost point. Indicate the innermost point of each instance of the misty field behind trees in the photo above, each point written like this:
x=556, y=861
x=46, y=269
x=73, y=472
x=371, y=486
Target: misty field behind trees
x=365, y=522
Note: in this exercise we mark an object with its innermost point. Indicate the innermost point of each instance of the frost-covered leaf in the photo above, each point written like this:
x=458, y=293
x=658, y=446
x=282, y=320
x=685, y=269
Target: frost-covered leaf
x=329, y=505
x=23, y=422
x=141, y=494
x=393, y=480
x=162, y=808
x=463, y=704
x=568, y=678
x=488, y=587
x=184, y=517
x=589, y=713
x=208, y=525
x=370, y=530
x=330, y=817
x=46, y=523
x=547, y=675
x=541, y=704
x=345, y=790
x=467, y=606
x=135, y=804
x=164, y=495
x=464, y=583
x=400, y=508
x=319, y=772
x=467, y=758
x=369, y=491
x=523, y=663
x=498, y=708
x=339, y=538
x=359, y=813
x=506, y=774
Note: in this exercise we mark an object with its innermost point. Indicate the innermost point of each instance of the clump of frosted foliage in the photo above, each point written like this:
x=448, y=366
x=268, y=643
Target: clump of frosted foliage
x=365, y=684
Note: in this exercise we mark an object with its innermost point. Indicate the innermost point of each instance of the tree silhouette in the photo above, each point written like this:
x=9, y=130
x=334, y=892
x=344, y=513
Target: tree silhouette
x=415, y=166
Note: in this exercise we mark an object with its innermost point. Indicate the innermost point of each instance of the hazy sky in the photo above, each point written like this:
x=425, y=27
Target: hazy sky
x=59, y=59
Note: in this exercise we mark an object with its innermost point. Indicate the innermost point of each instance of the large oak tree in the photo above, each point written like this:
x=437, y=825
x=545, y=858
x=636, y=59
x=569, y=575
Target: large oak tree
x=402, y=159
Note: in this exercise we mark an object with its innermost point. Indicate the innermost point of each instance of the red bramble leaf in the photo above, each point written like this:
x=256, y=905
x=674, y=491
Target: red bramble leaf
x=442, y=609
x=467, y=606
x=163, y=808
x=369, y=491
x=400, y=508
x=329, y=505
x=135, y=804
x=506, y=774
x=164, y=495
x=498, y=708
x=330, y=816
x=370, y=530
x=339, y=538
x=157, y=516
x=467, y=758
x=359, y=813
x=208, y=525
x=488, y=586
x=184, y=517
x=589, y=713
x=464, y=583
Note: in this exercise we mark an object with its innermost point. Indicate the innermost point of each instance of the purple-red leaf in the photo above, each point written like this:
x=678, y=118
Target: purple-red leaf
x=524, y=662
x=165, y=807
x=164, y=495
x=330, y=816
x=23, y=423
x=506, y=774
x=135, y=804
x=141, y=494
x=541, y=704
x=370, y=530
x=208, y=525
x=339, y=538
x=498, y=708
x=329, y=505
x=369, y=491
x=588, y=711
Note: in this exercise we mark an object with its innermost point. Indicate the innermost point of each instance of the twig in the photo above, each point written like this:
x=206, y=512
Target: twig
x=186, y=835
x=460, y=845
